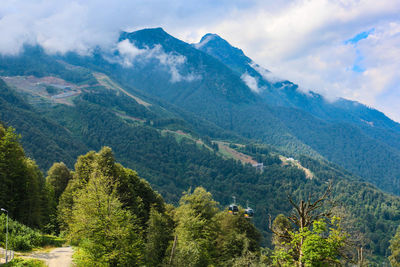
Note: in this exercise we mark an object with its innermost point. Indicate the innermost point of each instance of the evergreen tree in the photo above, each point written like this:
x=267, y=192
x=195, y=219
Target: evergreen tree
x=22, y=190
x=394, y=258
x=58, y=177
x=159, y=234
x=238, y=238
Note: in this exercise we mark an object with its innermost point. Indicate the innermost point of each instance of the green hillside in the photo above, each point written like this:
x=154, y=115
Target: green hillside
x=173, y=165
x=170, y=132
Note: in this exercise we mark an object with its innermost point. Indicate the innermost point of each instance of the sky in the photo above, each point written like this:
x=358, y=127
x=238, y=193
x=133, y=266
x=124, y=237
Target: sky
x=343, y=48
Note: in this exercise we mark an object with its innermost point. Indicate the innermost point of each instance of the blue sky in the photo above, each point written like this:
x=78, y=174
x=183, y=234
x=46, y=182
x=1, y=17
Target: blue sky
x=357, y=65
x=359, y=36
x=343, y=48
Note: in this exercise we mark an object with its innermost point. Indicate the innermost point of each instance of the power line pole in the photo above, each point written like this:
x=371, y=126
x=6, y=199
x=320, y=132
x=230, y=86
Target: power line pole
x=6, y=234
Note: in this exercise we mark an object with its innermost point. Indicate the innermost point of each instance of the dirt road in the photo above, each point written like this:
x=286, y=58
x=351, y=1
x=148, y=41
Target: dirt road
x=58, y=257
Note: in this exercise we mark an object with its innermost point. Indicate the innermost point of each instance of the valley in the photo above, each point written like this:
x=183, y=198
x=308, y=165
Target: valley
x=187, y=119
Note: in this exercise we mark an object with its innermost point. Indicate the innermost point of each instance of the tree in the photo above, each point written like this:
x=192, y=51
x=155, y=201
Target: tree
x=312, y=240
x=196, y=230
x=238, y=238
x=58, y=177
x=22, y=189
x=394, y=258
x=105, y=231
x=12, y=171
x=159, y=234
x=105, y=209
x=321, y=245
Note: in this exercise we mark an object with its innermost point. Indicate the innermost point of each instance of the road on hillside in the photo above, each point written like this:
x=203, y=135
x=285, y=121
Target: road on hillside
x=58, y=257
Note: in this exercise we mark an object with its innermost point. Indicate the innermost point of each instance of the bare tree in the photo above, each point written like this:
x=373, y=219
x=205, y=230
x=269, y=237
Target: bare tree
x=303, y=215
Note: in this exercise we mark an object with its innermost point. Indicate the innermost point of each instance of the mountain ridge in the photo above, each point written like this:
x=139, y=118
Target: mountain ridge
x=141, y=138
x=365, y=122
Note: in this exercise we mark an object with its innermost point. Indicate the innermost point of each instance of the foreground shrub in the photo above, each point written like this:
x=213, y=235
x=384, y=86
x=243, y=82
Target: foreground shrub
x=23, y=238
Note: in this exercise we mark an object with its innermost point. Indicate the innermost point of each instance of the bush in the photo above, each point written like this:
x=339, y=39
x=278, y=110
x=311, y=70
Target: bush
x=18, y=262
x=20, y=237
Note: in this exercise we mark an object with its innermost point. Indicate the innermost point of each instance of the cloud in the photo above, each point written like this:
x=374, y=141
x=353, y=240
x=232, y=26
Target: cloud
x=266, y=74
x=251, y=82
x=80, y=25
x=129, y=54
x=303, y=41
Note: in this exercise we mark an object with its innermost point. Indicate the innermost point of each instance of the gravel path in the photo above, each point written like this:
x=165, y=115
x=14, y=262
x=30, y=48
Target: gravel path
x=58, y=257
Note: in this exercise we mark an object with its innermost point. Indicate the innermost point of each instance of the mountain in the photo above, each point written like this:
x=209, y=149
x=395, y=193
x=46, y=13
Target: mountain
x=172, y=157
x=44, y=139
x=216, y=93
x=182, y=118
x=361, y=139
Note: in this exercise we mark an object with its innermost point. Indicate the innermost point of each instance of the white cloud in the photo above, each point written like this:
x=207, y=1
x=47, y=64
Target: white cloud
x=304, y=41
x=266, y=74
x=129, y=54
x=251, y=82
x=80, y=25
x=301, y=40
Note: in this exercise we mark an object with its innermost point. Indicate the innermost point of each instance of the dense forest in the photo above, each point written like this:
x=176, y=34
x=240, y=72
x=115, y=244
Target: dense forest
x=116, y=218
x=166, y=201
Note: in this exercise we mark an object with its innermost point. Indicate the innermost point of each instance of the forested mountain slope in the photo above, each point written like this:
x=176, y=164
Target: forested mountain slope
x=162, y=111
x=211, y=93
x=359, y=138
x=177, y=73
x=100, y=116
x=44, y=140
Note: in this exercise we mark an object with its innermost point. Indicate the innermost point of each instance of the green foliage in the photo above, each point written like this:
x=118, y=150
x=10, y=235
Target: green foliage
x=19, y=262
x=206, y=236
x=51, y=90
x=57, y=180
x=282, y=228
x=171, y=167
x=159, y=234
x=103, y=229
x=238, y=239
x=319, y=246
x=364, y=152
x=394, y=258
x=58, y=177
x=23, y=192
x=196, y=229
x=43, y=139
x=53, y=241
x=105, y=209
x=20, y=237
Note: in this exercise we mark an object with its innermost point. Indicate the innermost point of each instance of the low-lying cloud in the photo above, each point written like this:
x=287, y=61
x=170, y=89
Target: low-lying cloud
x=266, y=74
x=251, y=82
x=81, y=25
x=303, y=41
x=129, y=54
